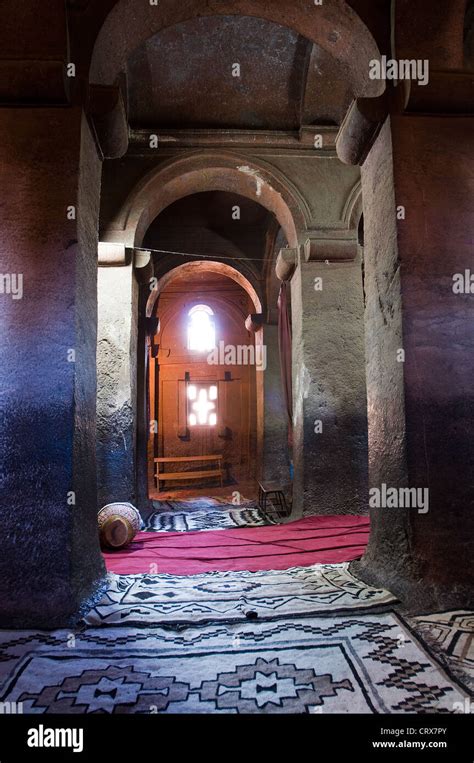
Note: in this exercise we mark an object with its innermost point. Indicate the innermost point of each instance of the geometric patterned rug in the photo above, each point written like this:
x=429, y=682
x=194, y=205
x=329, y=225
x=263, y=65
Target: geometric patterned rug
x=346, y=664
x=320, y=589
x=198, y=504
x=209, y=518
x=451, y=636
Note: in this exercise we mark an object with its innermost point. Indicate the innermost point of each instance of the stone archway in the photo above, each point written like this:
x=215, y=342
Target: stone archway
x=211, y=267
x=195, y=173
x=200, y=172
x=333, y=25
x=336, y=28
x=187, y=270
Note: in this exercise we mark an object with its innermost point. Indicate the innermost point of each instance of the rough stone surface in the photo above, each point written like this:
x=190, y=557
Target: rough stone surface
x=117, y=384
x=424, y=557
x=276, y=454
x=84, y=543
x=434, y=180
x=334, y=27
x=388, y=556
x=143, y=186
x=50, y=560
x=420, y=411
x=329, y=387
x=442, y=39
x=270, y=56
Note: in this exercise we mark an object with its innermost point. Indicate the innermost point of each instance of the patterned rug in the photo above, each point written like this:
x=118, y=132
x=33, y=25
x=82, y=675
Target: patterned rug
x=201, y=503
x=343, y=664
x=232, y=596
x=209, y=518
x=451, y=636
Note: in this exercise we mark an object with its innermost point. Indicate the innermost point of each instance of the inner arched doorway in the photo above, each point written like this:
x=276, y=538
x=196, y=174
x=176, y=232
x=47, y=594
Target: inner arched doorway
x=205, y=382
x=232, y=239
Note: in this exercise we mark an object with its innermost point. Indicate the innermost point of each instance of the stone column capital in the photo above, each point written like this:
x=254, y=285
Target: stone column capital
x=288, y=259
x=254, y=322
x=364, y=119
x=107, y=114
x=112, y=254
x=331, y=244
x=143, y=265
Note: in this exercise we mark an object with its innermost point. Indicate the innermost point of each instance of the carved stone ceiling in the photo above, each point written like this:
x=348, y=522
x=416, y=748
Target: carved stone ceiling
x=183, y=78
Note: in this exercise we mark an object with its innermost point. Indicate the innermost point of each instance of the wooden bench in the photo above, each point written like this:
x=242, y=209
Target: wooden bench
x=162, y=476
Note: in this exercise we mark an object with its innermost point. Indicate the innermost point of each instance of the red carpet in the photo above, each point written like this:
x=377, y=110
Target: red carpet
x=322, y=539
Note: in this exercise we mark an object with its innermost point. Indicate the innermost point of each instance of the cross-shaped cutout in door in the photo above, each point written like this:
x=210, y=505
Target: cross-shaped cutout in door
x=203, y=405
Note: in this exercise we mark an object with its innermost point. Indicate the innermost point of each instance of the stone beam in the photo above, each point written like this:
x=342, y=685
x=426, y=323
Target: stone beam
x=144, y=142
x=447, y=92
x=288, y=259
x=322, y=246
x=359, y=130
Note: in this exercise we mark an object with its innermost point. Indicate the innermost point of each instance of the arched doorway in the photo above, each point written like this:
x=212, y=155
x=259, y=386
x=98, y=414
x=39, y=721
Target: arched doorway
x=205, y=381
x=202, y=223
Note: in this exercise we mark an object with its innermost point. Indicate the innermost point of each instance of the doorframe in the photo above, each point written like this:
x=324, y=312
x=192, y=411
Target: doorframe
x=148, y=327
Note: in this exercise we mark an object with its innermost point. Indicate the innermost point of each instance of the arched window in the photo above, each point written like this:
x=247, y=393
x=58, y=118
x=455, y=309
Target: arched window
x=201, y=329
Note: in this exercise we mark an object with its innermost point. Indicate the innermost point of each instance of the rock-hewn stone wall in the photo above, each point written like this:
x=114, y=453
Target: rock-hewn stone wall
x=330, y=419
x=421, y=410
x=117, y=384
x=50, y=551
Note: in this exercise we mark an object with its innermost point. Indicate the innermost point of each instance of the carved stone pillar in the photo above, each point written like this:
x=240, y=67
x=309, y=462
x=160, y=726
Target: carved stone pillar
x=417, y=236
x=50, y=562
x=329, y=399
x=117, y=370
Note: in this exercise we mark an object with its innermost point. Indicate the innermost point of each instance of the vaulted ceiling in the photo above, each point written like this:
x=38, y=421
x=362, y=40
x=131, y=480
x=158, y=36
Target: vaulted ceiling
x=183, y=77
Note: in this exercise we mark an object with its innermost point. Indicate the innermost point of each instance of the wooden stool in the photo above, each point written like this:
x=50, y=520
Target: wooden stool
x=266, y=489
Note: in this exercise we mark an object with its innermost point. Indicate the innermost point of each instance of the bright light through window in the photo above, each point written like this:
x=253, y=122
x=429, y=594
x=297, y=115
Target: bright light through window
x=202, y=405
x=201, y=329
